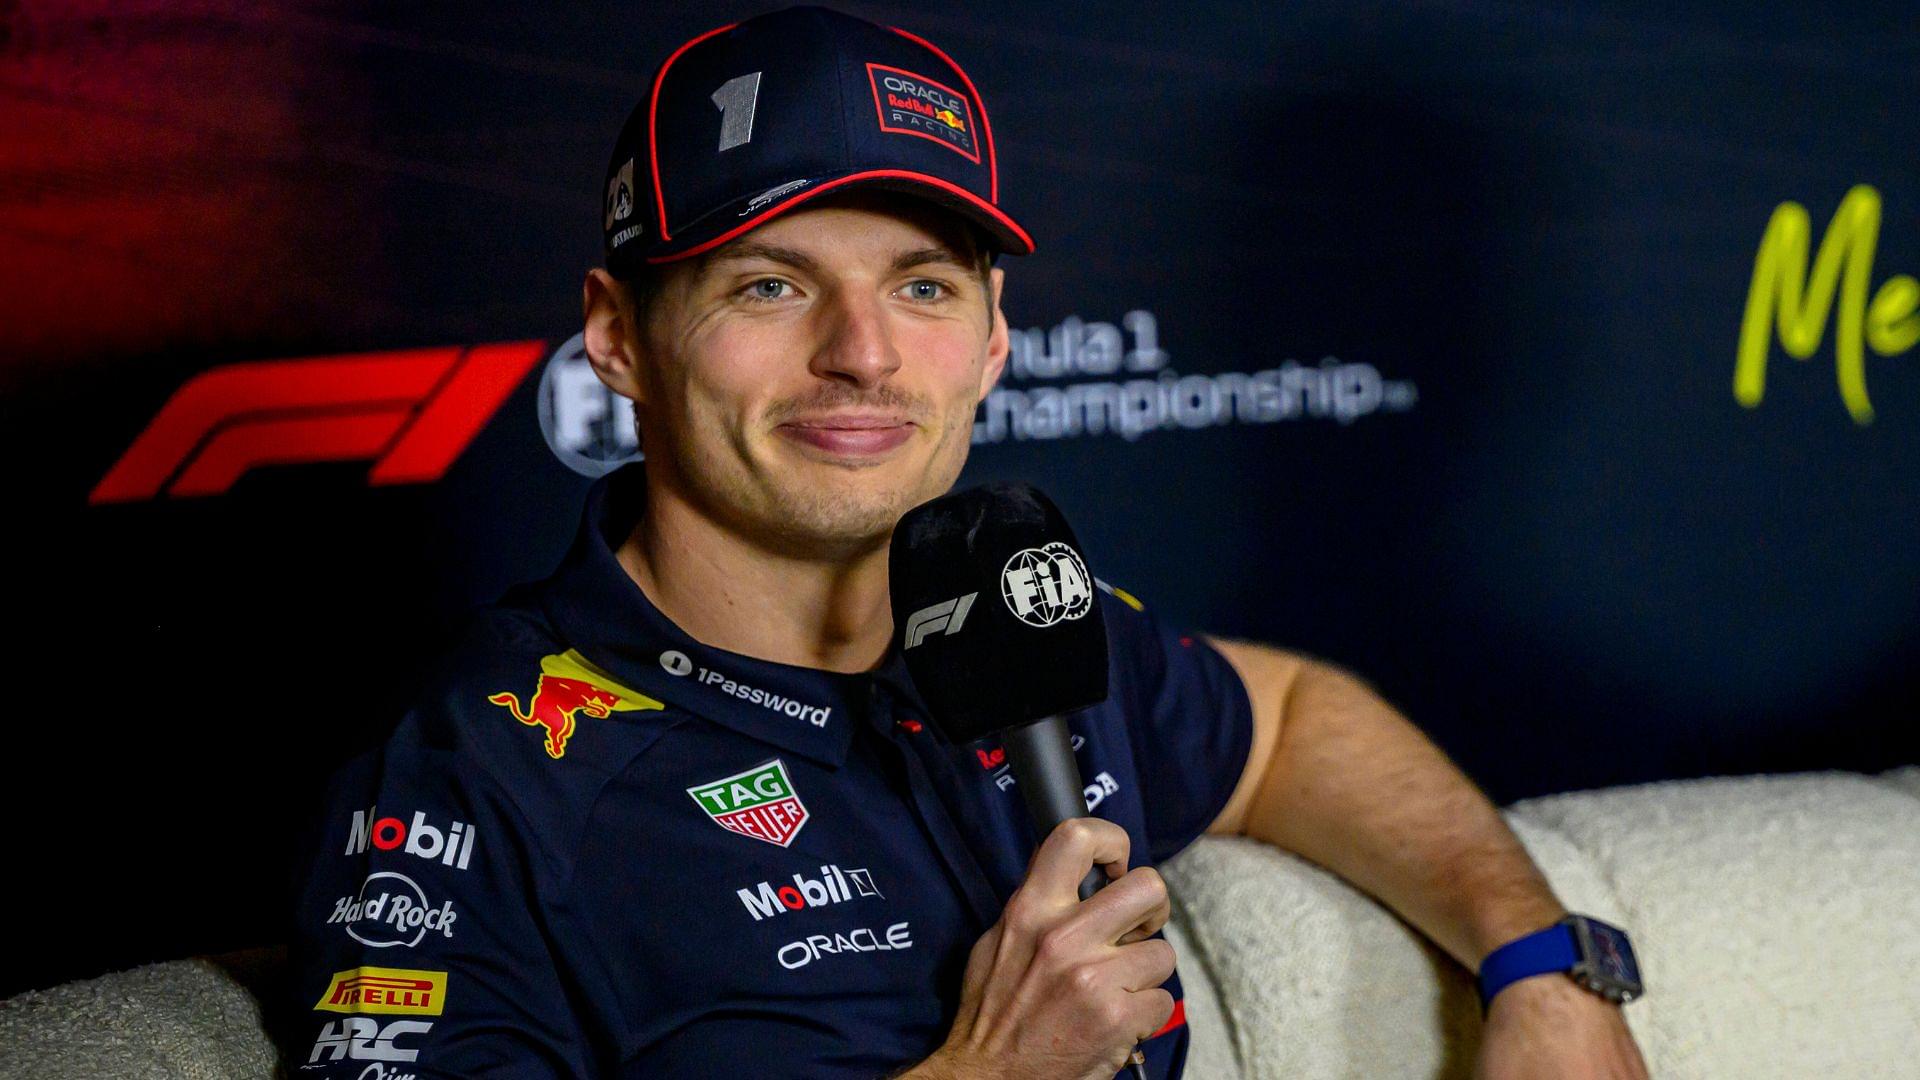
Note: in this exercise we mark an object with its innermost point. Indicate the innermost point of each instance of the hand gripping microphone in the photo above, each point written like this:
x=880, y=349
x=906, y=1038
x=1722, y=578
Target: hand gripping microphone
x=995, y=614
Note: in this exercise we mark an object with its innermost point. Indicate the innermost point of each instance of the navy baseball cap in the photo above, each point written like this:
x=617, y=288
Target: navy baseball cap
x=752, y=119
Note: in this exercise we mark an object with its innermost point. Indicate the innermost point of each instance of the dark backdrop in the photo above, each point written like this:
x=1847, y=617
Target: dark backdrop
x=1427, y=321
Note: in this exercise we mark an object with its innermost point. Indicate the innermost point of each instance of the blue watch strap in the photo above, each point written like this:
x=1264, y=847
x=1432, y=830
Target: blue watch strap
x=1552, y=949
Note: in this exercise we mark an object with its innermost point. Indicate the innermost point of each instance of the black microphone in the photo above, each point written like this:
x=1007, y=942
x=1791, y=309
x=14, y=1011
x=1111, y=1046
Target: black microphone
x=995, y=614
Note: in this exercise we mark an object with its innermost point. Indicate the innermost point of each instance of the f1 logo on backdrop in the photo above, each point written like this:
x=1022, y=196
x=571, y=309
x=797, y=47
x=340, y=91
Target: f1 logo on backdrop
x=412, y=412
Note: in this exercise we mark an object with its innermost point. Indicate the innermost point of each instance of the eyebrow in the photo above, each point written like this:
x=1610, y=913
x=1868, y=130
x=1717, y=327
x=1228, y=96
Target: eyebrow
x=748, y=250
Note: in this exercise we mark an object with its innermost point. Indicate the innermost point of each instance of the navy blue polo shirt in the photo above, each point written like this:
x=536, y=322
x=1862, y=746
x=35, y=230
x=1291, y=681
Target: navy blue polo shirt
x=598, y=847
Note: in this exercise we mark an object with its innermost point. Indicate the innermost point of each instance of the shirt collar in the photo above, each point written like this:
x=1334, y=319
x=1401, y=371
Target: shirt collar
x=598, y=609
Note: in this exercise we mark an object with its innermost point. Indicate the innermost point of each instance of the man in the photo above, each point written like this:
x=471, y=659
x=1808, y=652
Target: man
x=675, y=809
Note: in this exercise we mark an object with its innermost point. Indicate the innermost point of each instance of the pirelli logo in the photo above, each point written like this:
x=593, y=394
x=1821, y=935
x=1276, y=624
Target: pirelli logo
x=386, y=990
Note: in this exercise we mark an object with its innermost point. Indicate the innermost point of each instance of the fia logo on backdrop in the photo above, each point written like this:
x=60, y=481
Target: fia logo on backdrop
x=587, y=426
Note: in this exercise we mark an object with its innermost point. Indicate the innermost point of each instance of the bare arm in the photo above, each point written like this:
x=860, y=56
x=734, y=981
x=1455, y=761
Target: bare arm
x=1339, y=777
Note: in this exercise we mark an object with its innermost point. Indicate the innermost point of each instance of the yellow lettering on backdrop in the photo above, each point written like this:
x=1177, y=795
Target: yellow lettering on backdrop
x=1788, y=298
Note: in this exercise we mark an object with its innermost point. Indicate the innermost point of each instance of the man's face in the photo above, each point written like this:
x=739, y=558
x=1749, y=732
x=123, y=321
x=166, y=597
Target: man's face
x=816, y=378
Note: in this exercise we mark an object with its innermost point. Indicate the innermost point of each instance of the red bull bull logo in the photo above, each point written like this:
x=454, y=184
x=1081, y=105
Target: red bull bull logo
x=569, y=685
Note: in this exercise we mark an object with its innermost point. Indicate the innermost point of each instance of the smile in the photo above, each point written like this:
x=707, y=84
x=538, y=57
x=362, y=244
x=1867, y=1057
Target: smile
x=850, y=436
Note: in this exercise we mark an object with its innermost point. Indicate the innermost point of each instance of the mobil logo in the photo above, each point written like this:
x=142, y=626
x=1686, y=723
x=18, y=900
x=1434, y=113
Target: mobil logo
x=451, y=845
x=833, y=886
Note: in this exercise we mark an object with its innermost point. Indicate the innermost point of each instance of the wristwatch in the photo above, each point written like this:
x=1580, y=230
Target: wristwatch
x=1594, y=954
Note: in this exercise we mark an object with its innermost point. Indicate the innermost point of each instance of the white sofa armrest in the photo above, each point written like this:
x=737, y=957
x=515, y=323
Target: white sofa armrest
x=1777, y=921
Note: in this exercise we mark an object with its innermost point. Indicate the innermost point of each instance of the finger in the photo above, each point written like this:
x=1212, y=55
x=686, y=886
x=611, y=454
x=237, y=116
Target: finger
x=1047, y=898
x=979, y=967
x=1150, y=1009
x=1021, y=924
x=1156, y=921
x=1074, y=847
x=1140, y=966
x=1138, y=899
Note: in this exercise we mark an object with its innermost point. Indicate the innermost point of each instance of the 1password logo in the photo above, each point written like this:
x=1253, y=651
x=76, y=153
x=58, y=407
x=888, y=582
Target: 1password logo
x=678, y=663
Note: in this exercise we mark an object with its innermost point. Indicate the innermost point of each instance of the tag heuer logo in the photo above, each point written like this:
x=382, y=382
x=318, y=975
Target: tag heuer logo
x=759, y=803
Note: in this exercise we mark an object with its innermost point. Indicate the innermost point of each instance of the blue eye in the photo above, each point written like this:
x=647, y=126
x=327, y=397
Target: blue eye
x=759, y=293
x=933, y=290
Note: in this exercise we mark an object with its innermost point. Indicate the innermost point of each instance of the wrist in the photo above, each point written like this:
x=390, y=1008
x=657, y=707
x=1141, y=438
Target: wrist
x=1551, y=991
x=1512, y=921
x=1595, y=955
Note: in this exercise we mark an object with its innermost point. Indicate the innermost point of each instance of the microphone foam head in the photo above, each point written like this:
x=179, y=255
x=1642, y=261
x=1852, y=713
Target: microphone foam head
x=994, y=610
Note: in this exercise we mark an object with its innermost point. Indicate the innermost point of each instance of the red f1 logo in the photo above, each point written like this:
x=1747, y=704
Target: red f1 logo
x=411, y=411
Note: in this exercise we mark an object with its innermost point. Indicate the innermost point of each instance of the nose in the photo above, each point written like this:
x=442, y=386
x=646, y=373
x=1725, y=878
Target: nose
x=859, y=347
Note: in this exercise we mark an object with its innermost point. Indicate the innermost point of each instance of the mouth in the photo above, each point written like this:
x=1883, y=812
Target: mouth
x=850, y=434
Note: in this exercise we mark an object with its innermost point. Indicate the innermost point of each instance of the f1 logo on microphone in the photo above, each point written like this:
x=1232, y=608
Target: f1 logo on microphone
x=946, y=615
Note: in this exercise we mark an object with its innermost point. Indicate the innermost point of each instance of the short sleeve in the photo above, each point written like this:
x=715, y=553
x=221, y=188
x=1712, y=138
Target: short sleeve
x=419, y=943
x=1188, y=718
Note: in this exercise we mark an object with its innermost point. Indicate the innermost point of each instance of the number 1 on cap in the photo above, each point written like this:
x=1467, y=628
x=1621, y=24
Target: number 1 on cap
x=735, y=100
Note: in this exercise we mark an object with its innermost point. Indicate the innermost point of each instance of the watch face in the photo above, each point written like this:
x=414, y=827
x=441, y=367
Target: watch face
x=1612, y=956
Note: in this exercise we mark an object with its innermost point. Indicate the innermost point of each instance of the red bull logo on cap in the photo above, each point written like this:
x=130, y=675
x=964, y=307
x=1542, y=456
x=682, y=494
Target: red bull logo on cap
x=570, y=684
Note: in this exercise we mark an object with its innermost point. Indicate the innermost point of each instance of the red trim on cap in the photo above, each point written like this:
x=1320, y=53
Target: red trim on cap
x=944, y=185
x=653, y=107
x=986, y=129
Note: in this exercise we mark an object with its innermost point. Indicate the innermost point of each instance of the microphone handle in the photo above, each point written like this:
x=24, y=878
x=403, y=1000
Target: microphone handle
x=1048, y=777
x=1041, y=754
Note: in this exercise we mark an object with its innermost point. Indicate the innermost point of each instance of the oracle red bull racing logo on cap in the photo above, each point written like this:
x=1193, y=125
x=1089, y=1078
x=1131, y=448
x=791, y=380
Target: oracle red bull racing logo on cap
x=910, y=104
x=759, y=802
x=570, y=684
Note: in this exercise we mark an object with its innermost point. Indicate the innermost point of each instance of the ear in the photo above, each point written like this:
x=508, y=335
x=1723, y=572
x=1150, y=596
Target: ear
x=996, y=339
x=615, y=345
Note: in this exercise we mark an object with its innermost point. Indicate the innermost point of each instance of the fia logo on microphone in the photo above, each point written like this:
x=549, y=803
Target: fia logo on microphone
x=1046, y=585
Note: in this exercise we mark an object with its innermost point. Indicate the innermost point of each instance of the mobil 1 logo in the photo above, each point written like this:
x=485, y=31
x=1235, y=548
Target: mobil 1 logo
x=833, y=886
